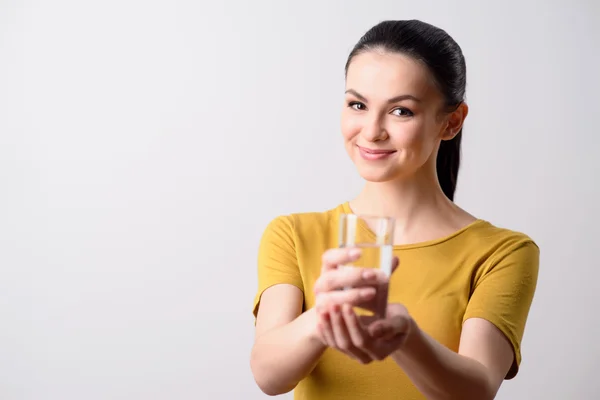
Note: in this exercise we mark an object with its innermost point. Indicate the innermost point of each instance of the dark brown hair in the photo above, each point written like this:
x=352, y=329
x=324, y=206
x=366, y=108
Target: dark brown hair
x=443, y=56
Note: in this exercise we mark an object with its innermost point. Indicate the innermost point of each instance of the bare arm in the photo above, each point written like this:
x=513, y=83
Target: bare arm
x=503, y=295
x=486, y=353
x=286, y=346
x=476, y=372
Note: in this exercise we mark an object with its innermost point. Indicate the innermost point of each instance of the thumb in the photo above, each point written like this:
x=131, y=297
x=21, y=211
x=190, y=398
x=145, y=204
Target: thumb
x=389, y=327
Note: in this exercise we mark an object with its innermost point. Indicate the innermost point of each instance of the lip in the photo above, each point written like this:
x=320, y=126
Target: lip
x=374, y=154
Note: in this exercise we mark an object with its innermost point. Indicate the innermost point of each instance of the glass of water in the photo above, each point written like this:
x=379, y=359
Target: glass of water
x=374, y=236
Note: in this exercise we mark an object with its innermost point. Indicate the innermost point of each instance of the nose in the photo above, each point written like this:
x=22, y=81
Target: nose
x=373, y=130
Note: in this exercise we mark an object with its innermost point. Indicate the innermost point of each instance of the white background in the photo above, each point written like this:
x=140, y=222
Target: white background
x=144, y=146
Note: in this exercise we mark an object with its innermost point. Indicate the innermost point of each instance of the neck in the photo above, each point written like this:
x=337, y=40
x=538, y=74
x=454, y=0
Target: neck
x=412, y=202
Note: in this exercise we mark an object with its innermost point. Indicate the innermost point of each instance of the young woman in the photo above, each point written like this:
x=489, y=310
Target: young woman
x=460, y=297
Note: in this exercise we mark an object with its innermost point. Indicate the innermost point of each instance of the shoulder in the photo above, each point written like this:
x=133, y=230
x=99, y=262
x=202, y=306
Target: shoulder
x=501, y=240
x=494, y=238
x=303, y=225
x=501, y=247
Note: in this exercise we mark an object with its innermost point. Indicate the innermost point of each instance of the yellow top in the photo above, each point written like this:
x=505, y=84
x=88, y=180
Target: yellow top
x=479, y=271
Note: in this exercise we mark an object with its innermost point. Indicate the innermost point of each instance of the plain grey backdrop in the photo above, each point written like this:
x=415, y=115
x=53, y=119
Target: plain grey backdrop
x=145, y=145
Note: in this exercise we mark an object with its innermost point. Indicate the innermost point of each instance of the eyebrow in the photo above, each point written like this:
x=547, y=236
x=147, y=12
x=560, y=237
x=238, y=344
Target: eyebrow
x=392, y=100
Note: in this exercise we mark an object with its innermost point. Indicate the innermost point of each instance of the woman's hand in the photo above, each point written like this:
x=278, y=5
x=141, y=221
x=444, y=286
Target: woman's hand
x=364, y=338
x=361, y=287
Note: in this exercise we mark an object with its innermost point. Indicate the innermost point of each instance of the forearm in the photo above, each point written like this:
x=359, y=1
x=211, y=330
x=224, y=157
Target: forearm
x=283, y=356
x=439, y=373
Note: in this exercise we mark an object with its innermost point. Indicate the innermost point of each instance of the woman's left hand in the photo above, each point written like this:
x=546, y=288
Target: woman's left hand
x=364, y=338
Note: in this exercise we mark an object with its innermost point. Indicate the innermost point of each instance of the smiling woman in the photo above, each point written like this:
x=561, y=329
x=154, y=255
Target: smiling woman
x=392, y=91
x=459, y=300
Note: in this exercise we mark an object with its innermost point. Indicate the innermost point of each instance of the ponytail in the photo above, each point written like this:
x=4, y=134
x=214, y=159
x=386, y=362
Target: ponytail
x=448, y=163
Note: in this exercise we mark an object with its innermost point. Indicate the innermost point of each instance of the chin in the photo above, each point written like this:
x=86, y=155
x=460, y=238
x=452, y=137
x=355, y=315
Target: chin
x=378, y=175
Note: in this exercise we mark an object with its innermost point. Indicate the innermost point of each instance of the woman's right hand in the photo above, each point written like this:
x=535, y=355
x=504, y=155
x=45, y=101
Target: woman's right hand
x=358, y=287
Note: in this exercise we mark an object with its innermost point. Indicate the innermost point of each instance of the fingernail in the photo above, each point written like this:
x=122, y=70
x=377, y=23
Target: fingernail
x=354, y=253
x=367, y=293
x=381, y=275
x=380, y=330
x=368, y=274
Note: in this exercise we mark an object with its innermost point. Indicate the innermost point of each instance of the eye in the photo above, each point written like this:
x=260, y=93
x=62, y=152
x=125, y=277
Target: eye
x=358, y=106
x=402, y=112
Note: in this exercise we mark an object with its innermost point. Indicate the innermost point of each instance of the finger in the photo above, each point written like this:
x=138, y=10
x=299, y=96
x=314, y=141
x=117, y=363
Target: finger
x=350, y=277
x=359, y=336
x=380, y=330
x=395, y=263
x=389, y=327
x=342, y=335
x=334, y=257
x=325, y=329
x=356, y=297
x=367, y=320
x=357, y=333
x=338, y=327
x=375, y=348
x=374, y=326
x=389, y=343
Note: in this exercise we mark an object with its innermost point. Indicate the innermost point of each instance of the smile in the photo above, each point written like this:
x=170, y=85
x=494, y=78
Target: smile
x=374, y=154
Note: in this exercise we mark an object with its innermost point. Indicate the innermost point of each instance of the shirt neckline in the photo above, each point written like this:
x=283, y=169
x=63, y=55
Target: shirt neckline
x=346, y=208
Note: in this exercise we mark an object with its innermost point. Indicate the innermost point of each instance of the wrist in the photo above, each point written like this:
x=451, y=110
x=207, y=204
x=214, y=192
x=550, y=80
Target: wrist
x=410, y=344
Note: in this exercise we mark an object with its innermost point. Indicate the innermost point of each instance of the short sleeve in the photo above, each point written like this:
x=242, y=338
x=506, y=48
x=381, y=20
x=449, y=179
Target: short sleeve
x=504, y=292
x=277, y=259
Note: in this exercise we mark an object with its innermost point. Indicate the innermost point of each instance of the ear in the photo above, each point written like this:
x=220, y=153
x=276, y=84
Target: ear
x=455, y=122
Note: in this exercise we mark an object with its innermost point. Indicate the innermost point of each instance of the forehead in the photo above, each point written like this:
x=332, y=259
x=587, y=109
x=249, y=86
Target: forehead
x=378, y=74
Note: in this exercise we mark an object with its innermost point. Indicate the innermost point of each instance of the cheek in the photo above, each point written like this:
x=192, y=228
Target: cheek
x=350, y=125
x=415, y=139
x=409, y=135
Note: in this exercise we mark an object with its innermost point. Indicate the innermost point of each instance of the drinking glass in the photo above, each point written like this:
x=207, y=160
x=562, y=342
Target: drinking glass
x=374, y=236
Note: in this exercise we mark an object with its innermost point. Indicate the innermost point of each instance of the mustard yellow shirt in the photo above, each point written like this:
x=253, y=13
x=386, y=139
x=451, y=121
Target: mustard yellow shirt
x=479, y=271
